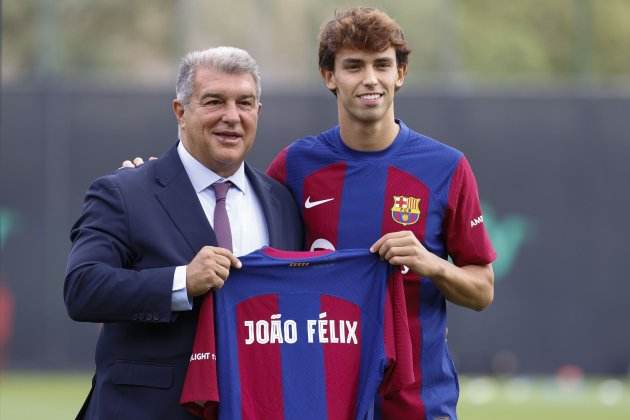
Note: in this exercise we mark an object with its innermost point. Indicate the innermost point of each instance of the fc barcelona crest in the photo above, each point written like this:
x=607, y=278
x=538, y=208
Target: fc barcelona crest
x=406, y=210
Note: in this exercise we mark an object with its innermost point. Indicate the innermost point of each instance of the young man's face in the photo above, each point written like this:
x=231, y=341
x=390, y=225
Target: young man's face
x=219, y=124
x=365, y=83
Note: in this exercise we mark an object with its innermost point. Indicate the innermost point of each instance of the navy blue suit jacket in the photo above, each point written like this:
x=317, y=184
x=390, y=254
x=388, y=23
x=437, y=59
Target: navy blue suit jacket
x=136, y=227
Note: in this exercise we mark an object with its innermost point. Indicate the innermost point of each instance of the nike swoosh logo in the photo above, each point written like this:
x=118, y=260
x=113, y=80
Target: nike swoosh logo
x=310, y=204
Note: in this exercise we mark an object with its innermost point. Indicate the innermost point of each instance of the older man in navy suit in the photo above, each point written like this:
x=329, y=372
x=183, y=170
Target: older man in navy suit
x=145, y=249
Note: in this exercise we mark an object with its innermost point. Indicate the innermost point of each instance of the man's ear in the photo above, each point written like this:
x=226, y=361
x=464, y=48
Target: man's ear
x=178, y=110
x=329, y=79
x=402, y=72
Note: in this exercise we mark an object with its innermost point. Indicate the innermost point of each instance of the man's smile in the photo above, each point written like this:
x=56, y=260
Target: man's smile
x=370, y=98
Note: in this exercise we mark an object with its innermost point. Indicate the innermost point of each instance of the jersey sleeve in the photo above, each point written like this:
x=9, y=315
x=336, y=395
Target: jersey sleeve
x=200, y=393
x=398, y=351
x=467, y=241
x=278, y=167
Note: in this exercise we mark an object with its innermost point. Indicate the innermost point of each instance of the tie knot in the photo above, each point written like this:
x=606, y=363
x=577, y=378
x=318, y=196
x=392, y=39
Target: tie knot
x=221, y=189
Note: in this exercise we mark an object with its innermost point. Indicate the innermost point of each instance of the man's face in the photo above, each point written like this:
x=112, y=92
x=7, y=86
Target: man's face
x=365, y=83
x=218, y=125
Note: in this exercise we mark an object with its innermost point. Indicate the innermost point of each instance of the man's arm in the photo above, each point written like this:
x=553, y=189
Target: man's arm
x=103, y=282
x=471, y=286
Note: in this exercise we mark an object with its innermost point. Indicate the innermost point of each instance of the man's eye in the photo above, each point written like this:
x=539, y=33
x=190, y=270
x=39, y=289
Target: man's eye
x=211, y=102
x=383, y=65
x=246, y=104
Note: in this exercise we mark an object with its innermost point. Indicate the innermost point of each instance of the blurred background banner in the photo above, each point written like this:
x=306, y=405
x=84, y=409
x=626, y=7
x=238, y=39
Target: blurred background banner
x=535, y=93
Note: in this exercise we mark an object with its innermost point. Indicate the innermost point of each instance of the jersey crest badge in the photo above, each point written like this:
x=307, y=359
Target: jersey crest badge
x=406, y=210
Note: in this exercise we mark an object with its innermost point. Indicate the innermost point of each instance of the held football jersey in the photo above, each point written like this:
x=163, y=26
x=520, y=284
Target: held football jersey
x=303, y=335
x=349, y=199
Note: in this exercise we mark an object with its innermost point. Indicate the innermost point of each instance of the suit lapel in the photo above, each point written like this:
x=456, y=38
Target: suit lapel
x=269, y=203
x=179, y=199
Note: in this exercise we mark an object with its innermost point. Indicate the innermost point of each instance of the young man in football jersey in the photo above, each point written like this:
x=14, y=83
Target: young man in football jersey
x=373, y=182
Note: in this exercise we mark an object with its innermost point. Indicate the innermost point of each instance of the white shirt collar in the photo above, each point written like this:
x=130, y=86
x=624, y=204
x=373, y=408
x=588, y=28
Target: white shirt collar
x=202, y=177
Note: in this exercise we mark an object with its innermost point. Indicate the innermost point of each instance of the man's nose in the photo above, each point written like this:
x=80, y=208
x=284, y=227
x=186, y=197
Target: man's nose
x=370, y=78
x=231, y=114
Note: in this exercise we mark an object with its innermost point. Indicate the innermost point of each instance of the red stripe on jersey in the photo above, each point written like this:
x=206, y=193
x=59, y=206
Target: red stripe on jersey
x=467, y=241
x=388, y=327
x=398, y=348
x=341, y=360
x=407, y=403
x=322, y=204
x=261, y=392
x=201, y=389
x=278, y=167
x=283, y=254
x=406, y=203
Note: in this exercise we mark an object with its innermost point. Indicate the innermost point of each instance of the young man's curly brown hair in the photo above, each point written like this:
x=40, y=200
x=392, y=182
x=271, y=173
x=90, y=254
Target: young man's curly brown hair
x=361, y=28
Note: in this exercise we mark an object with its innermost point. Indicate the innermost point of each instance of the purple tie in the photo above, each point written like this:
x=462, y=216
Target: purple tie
x=221, y=220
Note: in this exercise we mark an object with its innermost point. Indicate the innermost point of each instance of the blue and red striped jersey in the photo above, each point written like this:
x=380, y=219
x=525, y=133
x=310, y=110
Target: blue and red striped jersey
x=309, y=335
x=349, y=199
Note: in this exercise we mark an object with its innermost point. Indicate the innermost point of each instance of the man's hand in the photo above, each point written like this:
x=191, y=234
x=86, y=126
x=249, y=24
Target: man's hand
x=135, y=163
x=209, y=269
x=403, y=248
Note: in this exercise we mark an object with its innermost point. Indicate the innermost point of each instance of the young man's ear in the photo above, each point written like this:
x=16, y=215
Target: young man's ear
x=329, y=80
x=402, y=72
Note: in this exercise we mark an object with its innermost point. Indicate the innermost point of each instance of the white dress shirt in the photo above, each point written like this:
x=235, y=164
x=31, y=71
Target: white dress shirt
x=247, y=220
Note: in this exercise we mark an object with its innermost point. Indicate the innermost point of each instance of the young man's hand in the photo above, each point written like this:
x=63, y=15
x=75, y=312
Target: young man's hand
x=404, y=249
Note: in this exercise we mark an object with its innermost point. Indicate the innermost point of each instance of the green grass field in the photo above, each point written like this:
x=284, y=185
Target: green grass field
x=57, y=396
x=544, y=399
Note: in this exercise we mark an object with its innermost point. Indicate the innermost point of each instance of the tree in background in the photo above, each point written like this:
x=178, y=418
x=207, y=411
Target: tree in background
x=472, y=42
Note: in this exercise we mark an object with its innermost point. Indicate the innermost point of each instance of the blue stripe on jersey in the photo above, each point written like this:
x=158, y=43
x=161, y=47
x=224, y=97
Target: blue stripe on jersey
x=367, y=379
x=362, y=225
x=228, y=367
x=304, y=398
x=439, y=395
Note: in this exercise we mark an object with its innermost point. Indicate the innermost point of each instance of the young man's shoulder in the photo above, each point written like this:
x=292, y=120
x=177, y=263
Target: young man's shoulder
x=427, y=152
x=315, y=141
x=303, y=147
x=430, y=144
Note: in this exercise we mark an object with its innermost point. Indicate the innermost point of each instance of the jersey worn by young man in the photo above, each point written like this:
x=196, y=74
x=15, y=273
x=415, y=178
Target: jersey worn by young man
x=349, y=199
x=303, y=335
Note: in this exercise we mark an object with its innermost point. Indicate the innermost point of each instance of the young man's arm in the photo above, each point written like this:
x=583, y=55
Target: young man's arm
x=471, y=286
